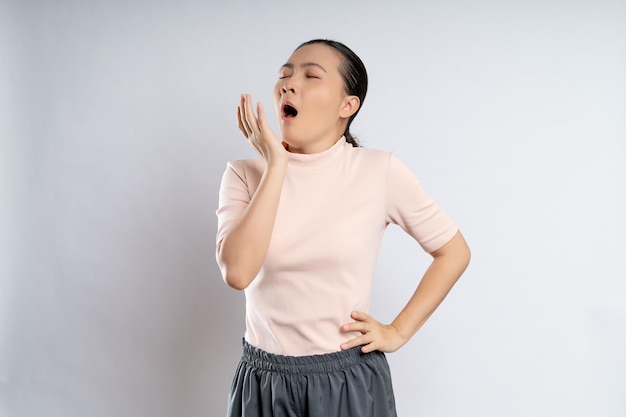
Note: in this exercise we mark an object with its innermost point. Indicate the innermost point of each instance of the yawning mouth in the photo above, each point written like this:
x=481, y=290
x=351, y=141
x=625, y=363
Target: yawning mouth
x=289, y=111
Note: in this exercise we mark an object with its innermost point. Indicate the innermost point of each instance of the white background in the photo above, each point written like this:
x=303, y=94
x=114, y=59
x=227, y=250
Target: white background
x=116, y=122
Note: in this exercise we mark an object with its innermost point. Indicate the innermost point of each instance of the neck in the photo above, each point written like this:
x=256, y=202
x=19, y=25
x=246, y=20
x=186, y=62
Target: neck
x=314, y=145
x=306, y=147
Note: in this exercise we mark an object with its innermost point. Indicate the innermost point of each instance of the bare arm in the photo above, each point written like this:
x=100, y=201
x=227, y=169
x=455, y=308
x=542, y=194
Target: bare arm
x=242, y=251
x=449, y=262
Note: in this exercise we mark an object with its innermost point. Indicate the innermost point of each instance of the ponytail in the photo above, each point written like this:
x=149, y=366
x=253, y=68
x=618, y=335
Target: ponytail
x=351, y=139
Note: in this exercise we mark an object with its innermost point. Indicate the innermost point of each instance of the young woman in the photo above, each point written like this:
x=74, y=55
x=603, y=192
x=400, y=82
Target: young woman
x=299, y=229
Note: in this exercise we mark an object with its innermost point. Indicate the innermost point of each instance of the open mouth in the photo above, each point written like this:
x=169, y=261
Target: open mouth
x=289, y=111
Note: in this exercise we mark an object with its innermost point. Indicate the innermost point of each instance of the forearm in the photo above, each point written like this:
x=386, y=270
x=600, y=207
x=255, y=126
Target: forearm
x=447, y=266
x=242, y=251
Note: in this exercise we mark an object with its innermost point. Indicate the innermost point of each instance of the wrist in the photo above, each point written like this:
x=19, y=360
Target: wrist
x=276, y=166
x=401, y=332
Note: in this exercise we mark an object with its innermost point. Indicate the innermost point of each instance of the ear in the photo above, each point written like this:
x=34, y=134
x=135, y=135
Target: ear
x=350, y=105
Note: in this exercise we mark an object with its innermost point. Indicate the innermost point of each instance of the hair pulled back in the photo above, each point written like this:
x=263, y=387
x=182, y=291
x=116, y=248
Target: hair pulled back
x=354, y=77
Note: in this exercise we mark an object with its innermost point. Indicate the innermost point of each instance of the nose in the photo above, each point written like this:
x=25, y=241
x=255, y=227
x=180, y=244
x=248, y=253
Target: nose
x=288, y=86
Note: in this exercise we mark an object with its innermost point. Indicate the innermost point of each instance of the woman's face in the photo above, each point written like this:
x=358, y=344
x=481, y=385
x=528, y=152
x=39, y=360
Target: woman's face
x=310, y=99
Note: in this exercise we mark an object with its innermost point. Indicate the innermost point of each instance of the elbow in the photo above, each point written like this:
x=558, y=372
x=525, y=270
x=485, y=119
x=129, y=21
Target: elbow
x=467, y=256
x=235, y=281
x=463, y=255
x=236, y=272
x=463, y=252
x=234, y=277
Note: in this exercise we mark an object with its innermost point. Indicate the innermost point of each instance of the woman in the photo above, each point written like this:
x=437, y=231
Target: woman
x=299, y=230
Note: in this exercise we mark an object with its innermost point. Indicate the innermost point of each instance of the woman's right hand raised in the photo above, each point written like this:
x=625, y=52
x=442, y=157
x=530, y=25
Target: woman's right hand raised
x=242, y=250
x=259, y=134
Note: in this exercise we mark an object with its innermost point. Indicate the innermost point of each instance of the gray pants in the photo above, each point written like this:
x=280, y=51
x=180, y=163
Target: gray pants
x=339, y=384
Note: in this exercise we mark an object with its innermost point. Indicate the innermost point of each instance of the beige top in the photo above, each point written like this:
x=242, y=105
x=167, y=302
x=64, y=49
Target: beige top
x=333, y=210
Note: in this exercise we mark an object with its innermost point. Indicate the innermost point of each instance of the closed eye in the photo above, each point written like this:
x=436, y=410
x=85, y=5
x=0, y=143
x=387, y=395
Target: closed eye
x=285, y=73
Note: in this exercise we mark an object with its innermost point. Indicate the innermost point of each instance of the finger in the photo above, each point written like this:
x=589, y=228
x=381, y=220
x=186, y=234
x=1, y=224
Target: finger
x=262, y=119
x=360, y=316
x=357, y=341
x=370, y=347
x=250, y=117
x=240, y=122
x=356, y=327
x=244, y=122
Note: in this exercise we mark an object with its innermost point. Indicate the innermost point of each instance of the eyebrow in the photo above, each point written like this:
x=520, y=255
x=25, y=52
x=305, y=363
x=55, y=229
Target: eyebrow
x=303, y=65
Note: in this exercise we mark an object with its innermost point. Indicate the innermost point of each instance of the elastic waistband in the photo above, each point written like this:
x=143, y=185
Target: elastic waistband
x=327, y=362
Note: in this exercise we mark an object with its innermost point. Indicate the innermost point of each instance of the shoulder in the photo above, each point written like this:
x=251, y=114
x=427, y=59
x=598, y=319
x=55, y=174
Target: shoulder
x=248, y=163
x=384, y=163
x=371, y=152
x=244, y=167
x=387, y=160
x=242, y=173
x=371, y=156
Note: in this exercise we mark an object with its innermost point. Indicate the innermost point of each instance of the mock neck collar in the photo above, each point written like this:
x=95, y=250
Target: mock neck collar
x=310, y=160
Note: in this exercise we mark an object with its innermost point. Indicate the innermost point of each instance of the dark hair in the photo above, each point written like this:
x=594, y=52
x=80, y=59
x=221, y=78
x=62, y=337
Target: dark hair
x=354, y=77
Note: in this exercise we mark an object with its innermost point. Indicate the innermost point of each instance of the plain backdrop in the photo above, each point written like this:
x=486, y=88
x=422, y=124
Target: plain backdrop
x=117, y=119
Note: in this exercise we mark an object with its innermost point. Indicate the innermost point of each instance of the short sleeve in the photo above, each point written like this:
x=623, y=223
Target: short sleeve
x=413, y=210
x=234, y=197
